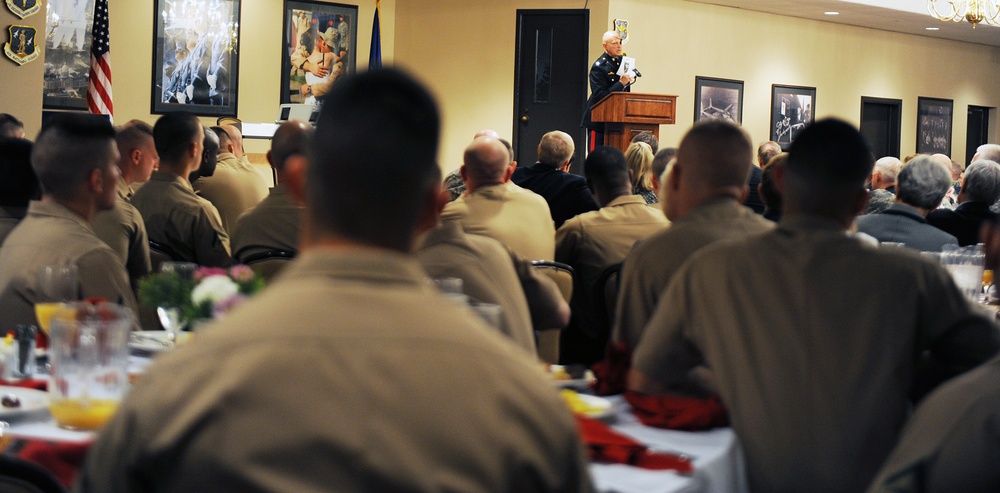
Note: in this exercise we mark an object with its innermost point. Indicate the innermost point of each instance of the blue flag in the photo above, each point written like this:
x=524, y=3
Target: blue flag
x=375, y=56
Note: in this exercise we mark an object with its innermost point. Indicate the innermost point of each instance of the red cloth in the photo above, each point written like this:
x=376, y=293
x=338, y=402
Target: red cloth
x=607, y=445
x=678, y=413
x=62, y=459
x=28, y=383
x=612, y=371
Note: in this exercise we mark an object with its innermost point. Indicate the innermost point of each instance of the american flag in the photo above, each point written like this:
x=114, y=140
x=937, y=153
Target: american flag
x=99, y=82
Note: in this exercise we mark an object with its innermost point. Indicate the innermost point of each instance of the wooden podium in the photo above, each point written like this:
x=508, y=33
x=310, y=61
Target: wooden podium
x=626, y=114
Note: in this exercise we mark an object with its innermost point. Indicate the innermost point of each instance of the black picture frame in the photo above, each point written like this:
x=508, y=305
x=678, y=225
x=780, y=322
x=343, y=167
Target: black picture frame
x=718, y=98
x=792, y=109
x=309, y=16
x=196, y=57
x=934, y=125
x=67, y=54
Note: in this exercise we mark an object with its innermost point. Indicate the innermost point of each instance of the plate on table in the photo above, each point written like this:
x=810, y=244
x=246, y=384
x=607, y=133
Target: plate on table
x=31, y=400
x=153, y=341
x=590, y=406
x=571, y=376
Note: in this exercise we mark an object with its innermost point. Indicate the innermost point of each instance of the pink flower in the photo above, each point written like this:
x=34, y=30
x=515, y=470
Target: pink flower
x=204, y=272
x=241, y=273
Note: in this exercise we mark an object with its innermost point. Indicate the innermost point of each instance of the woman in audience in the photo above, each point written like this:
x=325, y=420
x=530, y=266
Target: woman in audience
x=640, y=165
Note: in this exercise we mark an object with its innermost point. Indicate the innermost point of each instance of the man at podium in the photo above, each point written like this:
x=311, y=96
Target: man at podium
x=604, y=80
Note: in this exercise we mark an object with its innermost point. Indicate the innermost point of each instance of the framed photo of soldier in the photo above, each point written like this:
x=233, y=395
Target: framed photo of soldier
x=317, y=48
x=68, y=25
x=196, y=57
x=792, y=109
x=934, y=120
x=718, y=98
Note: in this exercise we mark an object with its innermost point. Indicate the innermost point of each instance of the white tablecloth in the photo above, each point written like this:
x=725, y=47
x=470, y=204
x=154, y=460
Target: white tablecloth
x=717, y=457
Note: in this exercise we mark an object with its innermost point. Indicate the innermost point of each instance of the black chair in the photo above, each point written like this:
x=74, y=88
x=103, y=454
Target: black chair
x=606, y=298
x=160, y=253
x=547, y=339
x=268, y=264
x=20, y=476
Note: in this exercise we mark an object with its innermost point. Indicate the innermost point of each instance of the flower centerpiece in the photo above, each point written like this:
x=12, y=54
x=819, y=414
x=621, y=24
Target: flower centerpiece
x=207, y=294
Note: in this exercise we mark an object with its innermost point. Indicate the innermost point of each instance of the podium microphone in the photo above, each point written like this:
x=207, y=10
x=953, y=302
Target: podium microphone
x=637, y=73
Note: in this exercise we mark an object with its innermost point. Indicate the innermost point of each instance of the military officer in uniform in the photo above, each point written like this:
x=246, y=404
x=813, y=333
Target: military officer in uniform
x=604, y=80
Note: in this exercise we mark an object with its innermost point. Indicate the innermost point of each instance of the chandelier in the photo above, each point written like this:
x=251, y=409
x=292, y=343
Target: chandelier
x=974, y=11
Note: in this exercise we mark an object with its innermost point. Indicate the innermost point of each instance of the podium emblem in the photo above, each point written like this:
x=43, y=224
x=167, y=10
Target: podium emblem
x=21, y=48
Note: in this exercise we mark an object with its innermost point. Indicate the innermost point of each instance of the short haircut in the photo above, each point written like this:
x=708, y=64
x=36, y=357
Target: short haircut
x=889, y=167
x=662, y=159
x=649, y=138
x=288, y=141
x=145, y=127
x=982, y=182
x=606, y=169
x=349, y=153
x=69, y=149
x=717, y=154
x=767, y=150
x=554, y=149
x=9, y=125
x=173, y=133
x=988, y=152
x=768, y=187
x=223, y=135
x=19, y=184
x=483, y=165
x=132, y=137
x=639, y=157
x=828, y=165
x=923, y=182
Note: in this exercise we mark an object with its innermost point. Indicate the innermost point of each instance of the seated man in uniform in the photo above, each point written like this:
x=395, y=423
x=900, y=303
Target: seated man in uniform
x=177, y=218
x=75, y=158
x=351, y=372
x=232, y=189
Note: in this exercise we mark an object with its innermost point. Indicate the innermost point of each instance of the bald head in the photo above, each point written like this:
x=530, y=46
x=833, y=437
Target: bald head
x=236, y=137
x=485, y=162
x=486, y=133
x=766, y=151
x=555, y=149
x=291, y=138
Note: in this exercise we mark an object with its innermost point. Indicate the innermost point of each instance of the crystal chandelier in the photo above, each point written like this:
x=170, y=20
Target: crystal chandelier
x=974, y=11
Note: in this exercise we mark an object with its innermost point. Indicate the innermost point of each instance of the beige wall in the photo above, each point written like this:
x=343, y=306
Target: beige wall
x=21, y=85
x=674, y=41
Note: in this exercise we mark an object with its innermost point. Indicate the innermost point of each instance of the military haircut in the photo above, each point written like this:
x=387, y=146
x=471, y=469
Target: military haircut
x=69, y=148
x=173, y=133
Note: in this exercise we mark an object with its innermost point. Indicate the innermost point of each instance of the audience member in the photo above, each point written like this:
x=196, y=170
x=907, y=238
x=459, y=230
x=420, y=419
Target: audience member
x=209, y=157
x=453, y=180
x=232, y=189
x=883, y=184
x=594, y=241
x=769, y=190
x=11, y=127
x=350, y=372
x=177, y=218
x=648, y=138
x=980, y=188
x=494, y=207
x=920, y=186
x=816, y=366
x=74, y=159
x=950, y=200
x=275, y=223
x=567, y=194
x=639, y=157
x=660, y=161
x=765, y=152
x=987, y=152
x=19, y=185
x=123, y=228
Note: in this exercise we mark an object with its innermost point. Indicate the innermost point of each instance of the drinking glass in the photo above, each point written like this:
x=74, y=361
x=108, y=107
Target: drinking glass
x=183, y=269
x=89, y=356
x=56, y=285
x=966, y=266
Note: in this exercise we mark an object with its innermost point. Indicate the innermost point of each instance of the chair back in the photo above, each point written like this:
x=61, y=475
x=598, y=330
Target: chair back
x=159, y=253
x=547, y=340
x=20, y=476
x=269, y=263
x=606, y=298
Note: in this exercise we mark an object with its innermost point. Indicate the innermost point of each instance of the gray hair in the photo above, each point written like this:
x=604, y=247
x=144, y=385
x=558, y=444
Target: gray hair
x=923, y=182
x=555, y=148
x=889, y=167
x=987, y=152
x=982, y=181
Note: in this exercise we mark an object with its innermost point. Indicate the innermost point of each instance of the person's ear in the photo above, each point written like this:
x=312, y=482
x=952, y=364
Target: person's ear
x=96, y=181
x=744, y=194
x=295, y=176
x=463, y=174
x=779, y=180
x=861, y=201
x=135, y=157
x=508, y=173
x=433, y=205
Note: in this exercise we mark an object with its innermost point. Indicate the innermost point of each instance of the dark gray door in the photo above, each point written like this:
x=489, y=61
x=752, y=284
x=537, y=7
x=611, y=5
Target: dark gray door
x=978, y=130
x=550, y=79
x=880, y=124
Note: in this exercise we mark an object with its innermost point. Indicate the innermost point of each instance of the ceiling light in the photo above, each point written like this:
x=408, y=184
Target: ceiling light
x=974, y=11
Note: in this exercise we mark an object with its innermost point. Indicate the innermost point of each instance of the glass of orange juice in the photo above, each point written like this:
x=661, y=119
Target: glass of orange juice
x=55, y=285
x=89, y=355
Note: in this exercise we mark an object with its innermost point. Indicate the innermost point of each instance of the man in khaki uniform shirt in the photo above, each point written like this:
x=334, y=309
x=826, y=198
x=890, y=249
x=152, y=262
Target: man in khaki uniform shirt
x=175, y=216
x=122, y=228
x=232, y=189
x=815, y=340
x=493, y=207
x=274, y=224
x=594, y=241
x=351, y=372
x=75, y=160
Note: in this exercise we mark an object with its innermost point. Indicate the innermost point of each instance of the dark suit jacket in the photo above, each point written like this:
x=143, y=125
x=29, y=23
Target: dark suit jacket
x=566, y=193
x=963, y=222
x=903, y=224
x=754, y=201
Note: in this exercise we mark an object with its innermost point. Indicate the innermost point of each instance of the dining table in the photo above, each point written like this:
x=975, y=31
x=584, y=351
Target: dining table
x=715, y=454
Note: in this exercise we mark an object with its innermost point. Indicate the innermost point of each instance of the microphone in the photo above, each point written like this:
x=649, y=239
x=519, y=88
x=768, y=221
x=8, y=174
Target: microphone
x=637, y=74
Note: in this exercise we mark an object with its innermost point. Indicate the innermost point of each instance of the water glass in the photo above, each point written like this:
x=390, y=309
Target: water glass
x=966, y=266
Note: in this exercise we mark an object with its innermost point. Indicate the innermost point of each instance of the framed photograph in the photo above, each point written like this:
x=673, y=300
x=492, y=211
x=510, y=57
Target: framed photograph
x=718, y=98
x=792, y=109
x=196, y=56
x=934, y=118
x=317, y=47
x=67, y=54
